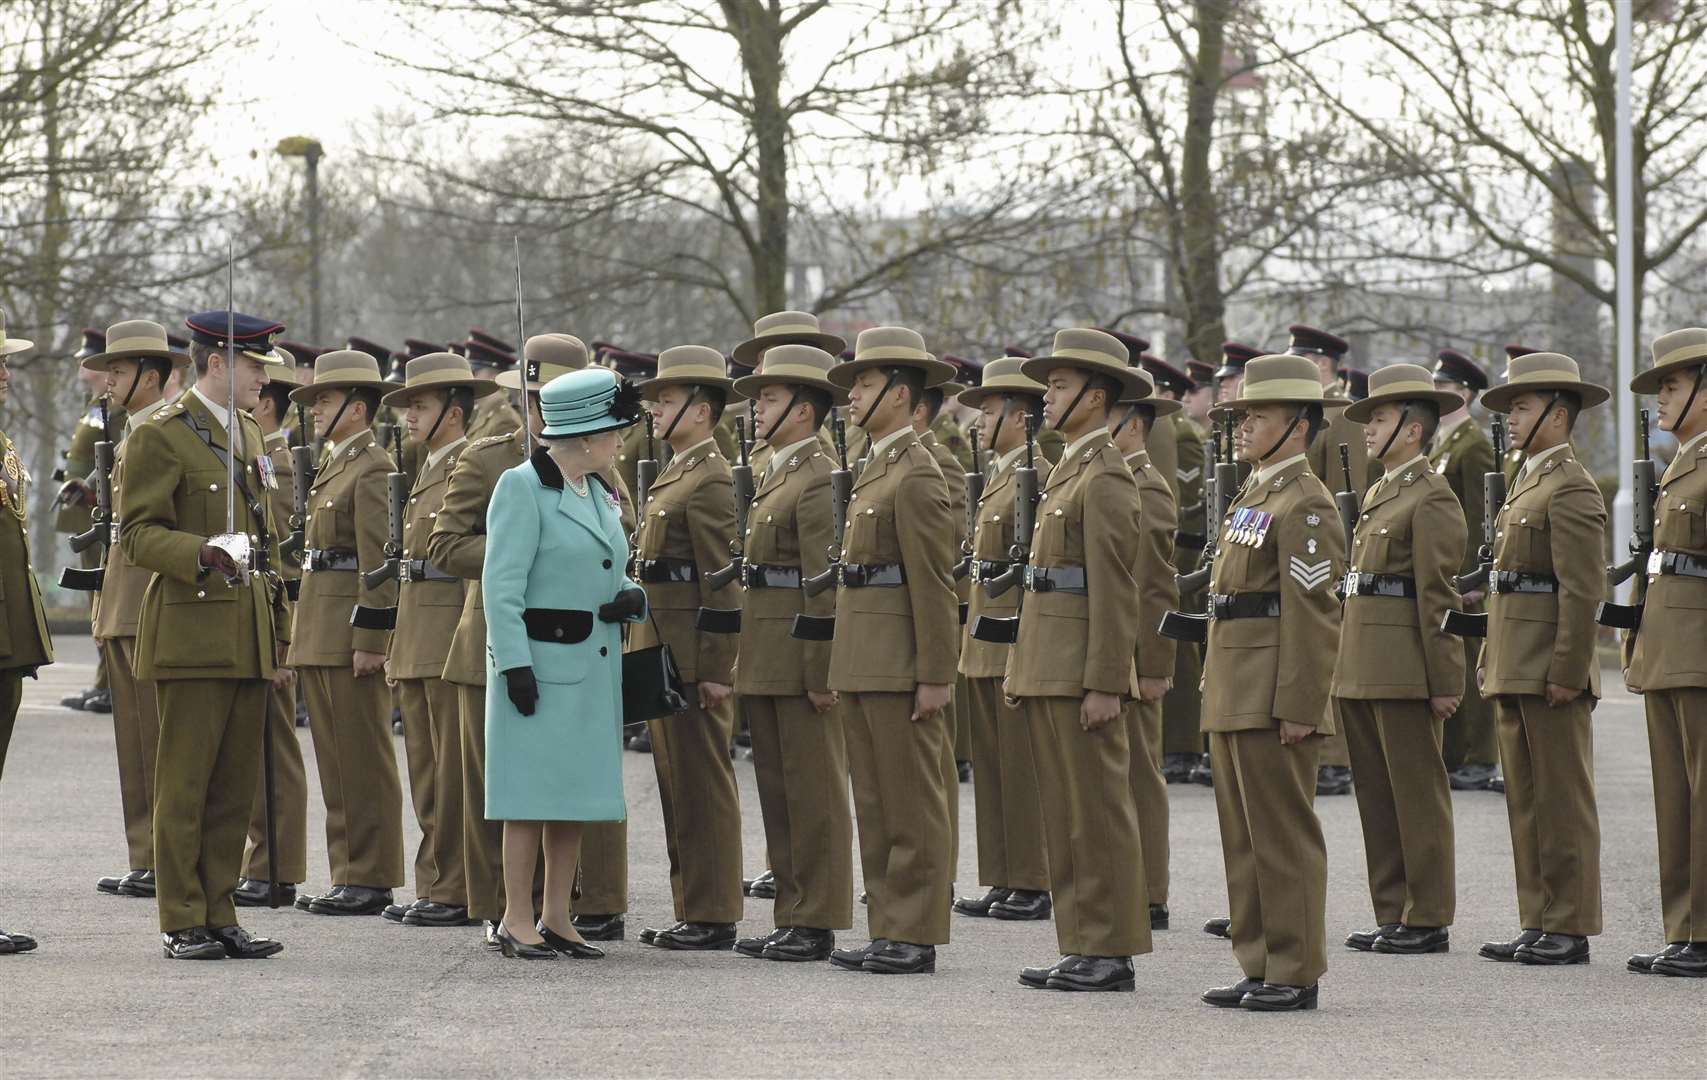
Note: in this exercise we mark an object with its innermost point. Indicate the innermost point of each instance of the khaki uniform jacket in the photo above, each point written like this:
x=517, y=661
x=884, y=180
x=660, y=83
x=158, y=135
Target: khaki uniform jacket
x=994, y=542
x=346, y=513
x=690, y=515
x=1553, y=522
x=24, y=639
x=1088, y=516
x=118, y=606
x=80, y=460
x=1189, y=474
x=1463, y=458
x=894, y=639
x=283, y=497
x=1669, y=652
x=1325, y=454
x=947, y=434
x=457, y=545
x=1157, y=593
x=1162, y=445
x=495, y=415
x=790, y=524
x=954, y=475
x=193, y=625
x=427, y=611
x=1259, y=671
x=1392, y=647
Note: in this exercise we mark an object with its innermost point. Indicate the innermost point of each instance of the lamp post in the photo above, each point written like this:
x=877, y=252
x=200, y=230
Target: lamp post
x=310, y=151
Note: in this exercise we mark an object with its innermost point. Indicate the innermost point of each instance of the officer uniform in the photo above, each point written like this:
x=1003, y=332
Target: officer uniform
x=684, y=533
x=1393, y=657
x=1548, y=580
x=338, y=614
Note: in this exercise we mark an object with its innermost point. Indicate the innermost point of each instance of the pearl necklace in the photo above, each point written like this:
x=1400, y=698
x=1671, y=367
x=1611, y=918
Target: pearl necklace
x=579, y=487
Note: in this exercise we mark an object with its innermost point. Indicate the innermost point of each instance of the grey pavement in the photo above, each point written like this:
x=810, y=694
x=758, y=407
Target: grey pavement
x=361, y=997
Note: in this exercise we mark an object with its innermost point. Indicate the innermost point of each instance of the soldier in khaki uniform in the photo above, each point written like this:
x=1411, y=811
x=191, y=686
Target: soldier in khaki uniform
x=1399, y=676
x=1538, y=665
x=212, y=630
x=1131, y=425
x=894, y=655
x=24, y=641
x=1011, y=861
x=75, y=509
x=684, y=533
x=1274, y=625
x=489, y=357
x=342, y=629
x=1665, y=662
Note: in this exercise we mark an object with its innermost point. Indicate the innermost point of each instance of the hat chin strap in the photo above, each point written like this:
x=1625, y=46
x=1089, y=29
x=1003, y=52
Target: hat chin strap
x=793, y=400
x=1527, y=439
x=1074, y=404
x=136, y=378
x=339, y=415
x=693, y=392
x=1404, y=414
x=888, y=385
x=1688, y=403
x=1131, y=415
x=1297, y=418
x=434, y=430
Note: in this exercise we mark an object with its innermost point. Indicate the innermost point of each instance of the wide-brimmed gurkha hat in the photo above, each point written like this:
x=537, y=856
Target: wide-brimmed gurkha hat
x=1676, y=351
x=794, y=365
x=1094, y=353
x=1146, y=397
x=10, y=345
x=340, y=369
x=438, y=371
x=1543, y=372
x=1002, y=377
x=785, y=328
x=1282, y=379
x=135, y=340
x=687, y=365
x=544, y=357
x=1398, y=383
x=891, y=347
x=587, y=402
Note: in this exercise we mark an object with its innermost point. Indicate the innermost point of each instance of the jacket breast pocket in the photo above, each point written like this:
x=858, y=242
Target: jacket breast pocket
x=204, y=500
x=1525, y=543
x=190, y=623
x=871, y=535
x=1682, y=524
x=763, y=544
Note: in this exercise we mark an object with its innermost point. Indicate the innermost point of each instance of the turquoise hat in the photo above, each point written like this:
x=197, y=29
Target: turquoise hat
x=587, y=402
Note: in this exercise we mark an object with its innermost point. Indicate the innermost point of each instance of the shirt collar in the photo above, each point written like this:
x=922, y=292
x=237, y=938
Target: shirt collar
x=1010, y=457
x=697, y=445
x=779, y=456
x=1132, y=458
x=1422, y=458
x=1537, y=458
x=217, y=410
x=1268, y=472
x=344, y=444
x=436, y=456
x=1079, y=443
x=890, y=439
x=1689, y=446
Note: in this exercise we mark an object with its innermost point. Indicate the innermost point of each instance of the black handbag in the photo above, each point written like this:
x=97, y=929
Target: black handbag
x=651, y=682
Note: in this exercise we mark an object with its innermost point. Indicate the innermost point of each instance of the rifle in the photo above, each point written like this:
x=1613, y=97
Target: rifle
x=1346, y=499
x=1470, y=623
x=1223, y=483
x=974, y=492
x=100, y=531
x=396, y=505
x=822, y=627
x=1005, y=631
x=1645, y=490
x=646, y=469
x=741, y=474
x=302, y=477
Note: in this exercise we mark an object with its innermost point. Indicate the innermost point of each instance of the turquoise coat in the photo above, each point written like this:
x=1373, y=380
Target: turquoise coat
x=547, y=547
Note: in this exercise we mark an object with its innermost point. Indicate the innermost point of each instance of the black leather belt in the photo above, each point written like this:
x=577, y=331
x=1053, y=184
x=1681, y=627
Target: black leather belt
x=1682, y=563
x=1190, y=540
x=1519, y=581
x=871, y=575
x=665, y=571
x=1248, y=605
x=761, y=576
x=984, y=570
x=561, y=626
x=329, y=559
x=1360, y=584
x=1067, y=579
x=423, y=570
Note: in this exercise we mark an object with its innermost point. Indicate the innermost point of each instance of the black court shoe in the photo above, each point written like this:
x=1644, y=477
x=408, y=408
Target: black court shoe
x=521, y=950
x=574, y=950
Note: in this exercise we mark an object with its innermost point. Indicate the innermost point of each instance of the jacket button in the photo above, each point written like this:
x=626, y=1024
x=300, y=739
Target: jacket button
x=557, y=632
x=603, y=651
x=201, y=593
x=607, y=564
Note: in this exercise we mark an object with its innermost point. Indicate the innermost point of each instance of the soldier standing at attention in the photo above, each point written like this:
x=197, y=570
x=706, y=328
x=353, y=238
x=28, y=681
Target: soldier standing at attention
x=212, y=633
x=1538, y=665
x=1666, y=663
x=1274, y=626
x=1011, y=861
x=1462, y=454
x=1399, y=676
x=1071, y=668
x=684, y=533
x=893, y=658
x=342, y=630
x=76, y=503
x=488, y=358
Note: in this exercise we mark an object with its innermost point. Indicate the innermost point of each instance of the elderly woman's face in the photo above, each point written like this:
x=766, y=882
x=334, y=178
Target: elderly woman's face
x=602, y=449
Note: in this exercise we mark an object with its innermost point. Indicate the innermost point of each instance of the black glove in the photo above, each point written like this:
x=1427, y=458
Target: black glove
x=524, y=691
x=628, y=603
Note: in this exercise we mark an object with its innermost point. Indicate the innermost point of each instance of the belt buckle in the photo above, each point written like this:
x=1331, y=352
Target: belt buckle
x=977, y=565
x=1656, y=562
x=403, y=576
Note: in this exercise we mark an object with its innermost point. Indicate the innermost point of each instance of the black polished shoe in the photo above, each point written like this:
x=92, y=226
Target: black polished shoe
x=252, y=892
x=802, y=945
x=1333, y=780
x=762, y=887
x=600, y=927
x=1093, y=973
x=433, y=913
x=240, y=944
x=1364, y=940
x=1037, y=978
x=1219, y=926
x=1471, y=776
x=854, y=959
x=192, y=944
x=521, y=950
x=755, y=946
x=1270, y=997
x=1415, y=941
x=77, y=701
x=305, y=899
x=1176, y=768
x=1554, y=949
x=1230, y=997
x=1690, y=962
x=963, y=769
x=137, y=883
x=1158, y=916
x=640, y=741
x=696, y=937
x=1022, y=905
x=1505, y=951
x=98, y=701
x=902, y=958
x=978, y=907
x=1643, y=963
x=650, y=934
x=110, y=885
x=15, y=943
x=396, y=912
x=574, y=950
x=1497, y=784
x=352, y=900
x=1201, y=773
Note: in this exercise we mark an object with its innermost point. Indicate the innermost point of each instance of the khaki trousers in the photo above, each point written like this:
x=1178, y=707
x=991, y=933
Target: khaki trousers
x=350, y=720
x=1004, y=790
x=800, y=762
x=1405, y=803
x=1548, y=755
x=1090, y=830
x=290, y=797
x=906, y=841
x=1677, y=739
x=482, y=840
x=1149, y=793
x=1183, y=702
x=702, y=810
x=136, y=735
x=603, y=869
x=1276, y=861
x=432, y=743
x=1471, y=737
x=11, y=696
x=204, y=790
